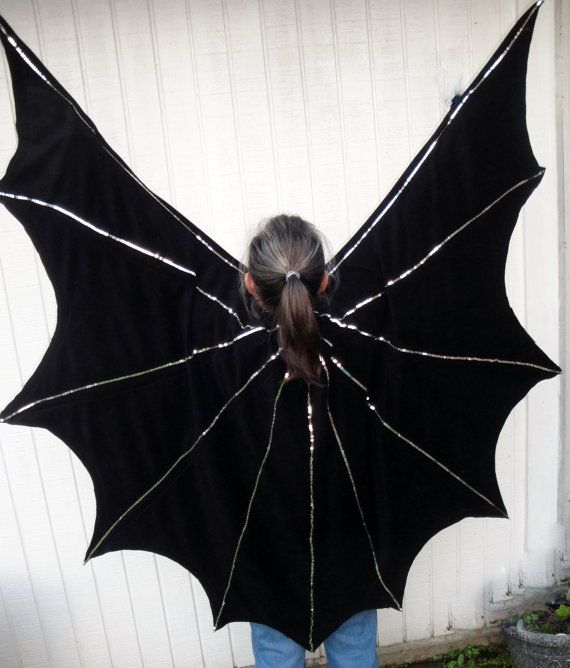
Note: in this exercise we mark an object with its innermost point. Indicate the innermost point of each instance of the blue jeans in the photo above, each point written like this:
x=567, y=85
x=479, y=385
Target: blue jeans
x=352, y=645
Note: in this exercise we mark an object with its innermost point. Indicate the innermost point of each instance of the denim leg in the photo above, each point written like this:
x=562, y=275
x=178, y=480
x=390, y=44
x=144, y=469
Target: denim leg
x=353, y=644
x=273, y=649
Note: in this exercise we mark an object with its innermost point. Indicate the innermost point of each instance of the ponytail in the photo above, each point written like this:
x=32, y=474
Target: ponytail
x=299, y=335
x=287, y=265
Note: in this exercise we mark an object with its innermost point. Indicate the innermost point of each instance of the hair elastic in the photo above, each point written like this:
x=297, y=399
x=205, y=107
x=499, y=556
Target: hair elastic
x=290, y=273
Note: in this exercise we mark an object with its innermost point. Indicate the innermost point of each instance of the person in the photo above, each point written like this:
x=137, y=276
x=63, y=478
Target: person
x=287, y=278
x=352, y=645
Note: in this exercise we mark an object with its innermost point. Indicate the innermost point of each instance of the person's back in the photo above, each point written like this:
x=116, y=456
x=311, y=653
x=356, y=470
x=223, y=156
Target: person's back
x=287, y=278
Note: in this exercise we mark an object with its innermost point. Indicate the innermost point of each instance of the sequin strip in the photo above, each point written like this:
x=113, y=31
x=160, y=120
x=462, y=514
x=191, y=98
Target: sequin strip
x=281, y=385
x=433, y=459
x=168, y=210
x=430, y=148
x=225, y=306
x=460, y=358
x=184, y=454
x=117, y=379
x=361, y=304
x=495, y=63
x=130, y=244
x=99, y=230
x=312, y=515
x=346, y=373
x=327, y=341
x=30, y=64
x=339, y=443
x=434, y=250
x=407, y=440
x=462, y=227
x=388, y=206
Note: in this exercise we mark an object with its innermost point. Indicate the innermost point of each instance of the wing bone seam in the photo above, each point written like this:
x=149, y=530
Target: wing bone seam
x=145, y=251
x=270, y=440
x=346, y=463
x=410, y=442
x=98, y=230
x=422, y=158
x=135, y=374
x=423, y=353
x=311, y=516
x=183, y=455
x=435, y=248
x=12, y=41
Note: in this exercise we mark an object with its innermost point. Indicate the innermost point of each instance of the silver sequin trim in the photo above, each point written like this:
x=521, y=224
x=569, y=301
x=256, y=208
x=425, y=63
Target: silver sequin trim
x=110, y=152
x=30, y=64
x=460, y=358
x=339, y=443
x=281, y=385
x=228, y=308
x=430, y=148
x=116, y=379
x=495, y=63
x=327, y=341
x=312, y=516
x=168, y=210
x=183, y=455
x=388, y=206
x=130, y=244
x=462, y=227
x=409, y=442
x=352, y=378
x=434, y=250
x=99, y=230
x=364, y=302
x=433, y=459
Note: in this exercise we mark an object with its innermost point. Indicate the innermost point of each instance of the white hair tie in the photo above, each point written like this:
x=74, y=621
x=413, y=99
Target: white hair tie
x=290, y=273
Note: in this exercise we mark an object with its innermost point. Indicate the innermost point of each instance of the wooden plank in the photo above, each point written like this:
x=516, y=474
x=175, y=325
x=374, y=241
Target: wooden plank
x=542, y=308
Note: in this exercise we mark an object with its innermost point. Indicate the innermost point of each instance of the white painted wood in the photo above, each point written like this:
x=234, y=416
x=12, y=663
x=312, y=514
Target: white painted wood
x=232, y=111
x=541, y=240
x=563, y=86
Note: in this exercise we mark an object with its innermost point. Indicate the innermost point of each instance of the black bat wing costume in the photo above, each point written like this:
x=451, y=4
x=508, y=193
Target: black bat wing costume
x=295, y=506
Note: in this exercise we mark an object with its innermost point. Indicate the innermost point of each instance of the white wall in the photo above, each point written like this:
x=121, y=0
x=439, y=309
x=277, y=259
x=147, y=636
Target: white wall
x=563, y=117
x=233, y=110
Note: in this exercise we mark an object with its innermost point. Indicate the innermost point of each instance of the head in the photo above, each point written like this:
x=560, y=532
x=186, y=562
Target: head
x=284, y=244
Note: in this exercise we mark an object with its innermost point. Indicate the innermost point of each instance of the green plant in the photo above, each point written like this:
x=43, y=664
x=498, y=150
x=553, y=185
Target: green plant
x=563, y=612
x=465, y=657
x=475, y=656
x=544, y=621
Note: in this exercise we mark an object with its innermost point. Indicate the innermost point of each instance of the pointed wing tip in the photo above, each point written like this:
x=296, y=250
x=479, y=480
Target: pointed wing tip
x=554, y=370
x=5, y=417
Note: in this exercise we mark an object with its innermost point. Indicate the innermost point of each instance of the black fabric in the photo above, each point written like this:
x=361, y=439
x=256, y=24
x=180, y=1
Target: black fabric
x=181, y=456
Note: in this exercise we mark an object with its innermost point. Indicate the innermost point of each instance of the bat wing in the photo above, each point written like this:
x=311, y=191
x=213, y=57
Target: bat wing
x=295, y=506
x=432, y=359
x=153, y=357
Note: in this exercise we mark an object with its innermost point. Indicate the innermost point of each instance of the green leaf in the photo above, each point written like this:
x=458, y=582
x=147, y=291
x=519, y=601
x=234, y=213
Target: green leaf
x=563, y=612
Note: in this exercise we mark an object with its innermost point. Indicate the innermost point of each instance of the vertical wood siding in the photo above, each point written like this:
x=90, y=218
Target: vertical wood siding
x=234, y=110
x=563, y=134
